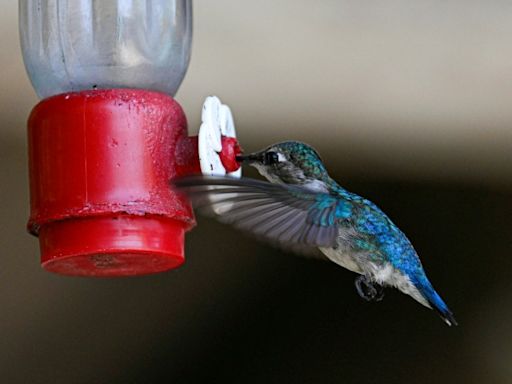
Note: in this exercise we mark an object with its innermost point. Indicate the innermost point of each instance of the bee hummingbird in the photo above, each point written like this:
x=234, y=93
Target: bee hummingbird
x=303, y=208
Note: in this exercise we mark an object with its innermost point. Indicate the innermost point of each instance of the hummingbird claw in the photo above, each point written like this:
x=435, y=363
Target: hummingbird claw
x=368, y=289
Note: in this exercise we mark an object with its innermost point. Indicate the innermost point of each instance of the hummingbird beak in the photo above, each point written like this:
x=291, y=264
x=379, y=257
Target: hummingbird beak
x=251, y=158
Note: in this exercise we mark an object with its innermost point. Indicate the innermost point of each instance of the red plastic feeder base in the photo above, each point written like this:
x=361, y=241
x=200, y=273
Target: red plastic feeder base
x=100, y=165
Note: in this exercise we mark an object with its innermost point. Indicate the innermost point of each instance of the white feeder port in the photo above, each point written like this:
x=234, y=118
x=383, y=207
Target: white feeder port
x=217, y=121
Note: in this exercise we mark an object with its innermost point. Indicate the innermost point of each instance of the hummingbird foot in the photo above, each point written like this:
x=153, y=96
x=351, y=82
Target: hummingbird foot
x=368, y=289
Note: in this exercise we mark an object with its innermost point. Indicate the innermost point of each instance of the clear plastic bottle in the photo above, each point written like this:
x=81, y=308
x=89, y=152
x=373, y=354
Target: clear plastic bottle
x=73, y=45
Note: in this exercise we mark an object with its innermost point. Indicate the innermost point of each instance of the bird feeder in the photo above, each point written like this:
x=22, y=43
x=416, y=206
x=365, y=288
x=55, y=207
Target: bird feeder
x=108, y=136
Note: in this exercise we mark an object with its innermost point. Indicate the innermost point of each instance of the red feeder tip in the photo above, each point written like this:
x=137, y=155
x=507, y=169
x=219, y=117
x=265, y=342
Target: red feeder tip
x=187, y=155
x=230, y=150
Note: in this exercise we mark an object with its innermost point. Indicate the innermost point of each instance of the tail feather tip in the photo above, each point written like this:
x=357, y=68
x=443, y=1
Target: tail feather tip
x=448, y=318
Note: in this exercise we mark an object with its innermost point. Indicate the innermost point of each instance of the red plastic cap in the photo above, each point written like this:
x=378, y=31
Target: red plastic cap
x=116, y=245
x=100, y=165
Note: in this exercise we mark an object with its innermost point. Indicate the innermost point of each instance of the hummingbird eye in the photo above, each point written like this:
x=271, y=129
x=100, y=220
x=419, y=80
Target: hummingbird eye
x=271, y=158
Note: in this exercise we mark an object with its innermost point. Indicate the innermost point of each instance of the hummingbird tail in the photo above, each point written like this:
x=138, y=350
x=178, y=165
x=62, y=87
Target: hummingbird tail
x=437, y=304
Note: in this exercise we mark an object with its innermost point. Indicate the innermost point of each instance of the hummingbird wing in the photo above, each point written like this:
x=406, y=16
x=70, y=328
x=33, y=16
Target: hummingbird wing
x=289, y=215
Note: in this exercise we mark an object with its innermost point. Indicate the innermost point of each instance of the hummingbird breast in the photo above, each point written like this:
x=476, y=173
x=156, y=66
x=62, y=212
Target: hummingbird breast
x=343, y=258
x=343, y=254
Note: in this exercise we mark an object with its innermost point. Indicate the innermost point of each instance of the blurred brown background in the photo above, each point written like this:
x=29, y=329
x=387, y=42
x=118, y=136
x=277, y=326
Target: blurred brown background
x=409, y=104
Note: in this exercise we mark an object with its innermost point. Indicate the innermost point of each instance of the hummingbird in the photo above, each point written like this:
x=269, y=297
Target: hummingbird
x=303, y=209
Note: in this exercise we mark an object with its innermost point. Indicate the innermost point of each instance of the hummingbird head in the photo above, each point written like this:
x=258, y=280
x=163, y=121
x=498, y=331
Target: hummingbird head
x=290, y=162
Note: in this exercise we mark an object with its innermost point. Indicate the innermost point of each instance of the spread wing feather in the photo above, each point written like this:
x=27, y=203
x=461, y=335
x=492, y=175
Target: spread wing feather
x=289, y=215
